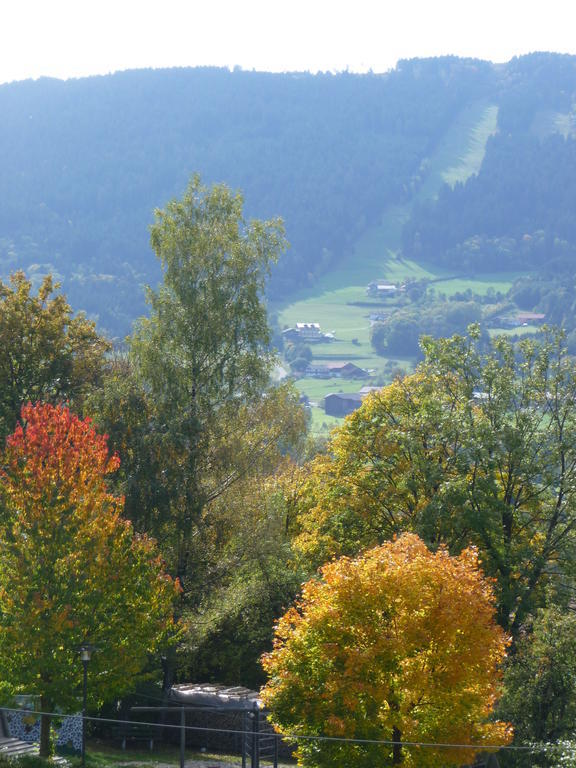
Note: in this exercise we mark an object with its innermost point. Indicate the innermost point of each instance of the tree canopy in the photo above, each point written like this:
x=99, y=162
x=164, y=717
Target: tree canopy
x=203, y=354
x=71, y=569
x=398, y=644
x=540, y=692
x=477, y=447
x=46, y=353
x=201, y=427
x=206, y=342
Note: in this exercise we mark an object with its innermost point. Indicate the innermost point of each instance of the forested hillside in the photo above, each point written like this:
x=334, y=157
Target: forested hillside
x=85, y=162
x=517, y=213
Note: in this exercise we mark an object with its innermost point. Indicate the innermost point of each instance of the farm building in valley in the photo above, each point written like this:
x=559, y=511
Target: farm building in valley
x=380, y=289
x=336, y=371
x=307, y=333
x=342, y=403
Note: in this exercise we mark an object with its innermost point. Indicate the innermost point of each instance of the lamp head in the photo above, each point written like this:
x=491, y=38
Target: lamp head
x=85, y=651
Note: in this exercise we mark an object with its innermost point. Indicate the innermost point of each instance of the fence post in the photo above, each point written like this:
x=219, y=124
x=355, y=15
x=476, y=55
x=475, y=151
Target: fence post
x=182, y=736
x=244, y=721
x=255, y=740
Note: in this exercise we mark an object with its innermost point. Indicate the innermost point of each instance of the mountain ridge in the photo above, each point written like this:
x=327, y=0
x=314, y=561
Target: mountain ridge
x=85, y=162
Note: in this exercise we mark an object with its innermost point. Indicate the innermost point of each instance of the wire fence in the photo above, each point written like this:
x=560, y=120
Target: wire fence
x=561, y=753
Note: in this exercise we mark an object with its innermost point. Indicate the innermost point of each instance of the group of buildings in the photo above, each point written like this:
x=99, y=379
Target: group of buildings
x=335, y=404
x=306, y=333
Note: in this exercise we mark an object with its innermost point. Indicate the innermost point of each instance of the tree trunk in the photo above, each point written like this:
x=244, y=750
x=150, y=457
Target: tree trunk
x=45, y=722
x=397, y=747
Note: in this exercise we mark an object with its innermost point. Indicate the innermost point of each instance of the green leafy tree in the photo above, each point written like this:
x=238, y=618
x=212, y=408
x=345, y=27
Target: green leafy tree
x=248, y=446
x=294, y=351
x=203, y=358
x=71, y=569
x=299, y=365
x=397, y=337
x=46, y=354
x=253, y=579
x=397, y=645
x=206, y=342
x=540, y=679
x=125, y=410
x=199, y=427
x=477, y=447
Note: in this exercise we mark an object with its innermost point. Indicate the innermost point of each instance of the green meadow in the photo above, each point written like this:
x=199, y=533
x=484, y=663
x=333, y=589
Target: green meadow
x=501, y=282
x=525, y=330
x=316, y=389
x=321, y=425
x=462, y=149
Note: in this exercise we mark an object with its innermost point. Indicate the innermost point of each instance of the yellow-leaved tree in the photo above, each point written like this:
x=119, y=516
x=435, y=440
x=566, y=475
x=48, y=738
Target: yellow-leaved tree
x=396, y=647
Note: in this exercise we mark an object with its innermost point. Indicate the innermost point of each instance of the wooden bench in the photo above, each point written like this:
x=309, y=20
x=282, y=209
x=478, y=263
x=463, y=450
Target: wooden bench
x=135, y=732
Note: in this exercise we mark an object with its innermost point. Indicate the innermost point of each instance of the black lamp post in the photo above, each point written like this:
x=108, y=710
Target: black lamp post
x=85, y=651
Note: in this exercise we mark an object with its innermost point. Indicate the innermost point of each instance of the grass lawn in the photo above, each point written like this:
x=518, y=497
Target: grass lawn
x=100, y=755
x=316, y=389
x=321, y=425
x=343, y=309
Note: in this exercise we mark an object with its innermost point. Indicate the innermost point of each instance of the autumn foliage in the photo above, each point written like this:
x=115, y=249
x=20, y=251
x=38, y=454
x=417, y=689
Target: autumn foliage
x=399, y=645
x=53, y=450
x=477, y=447
x=71, y=568
x=46, y=353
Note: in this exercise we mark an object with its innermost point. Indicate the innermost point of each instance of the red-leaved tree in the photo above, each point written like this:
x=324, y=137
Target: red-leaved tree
x=71, y=568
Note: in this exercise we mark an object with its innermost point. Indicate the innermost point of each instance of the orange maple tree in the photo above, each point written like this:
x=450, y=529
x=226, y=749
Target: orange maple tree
x=397, y=646
x=71, y=569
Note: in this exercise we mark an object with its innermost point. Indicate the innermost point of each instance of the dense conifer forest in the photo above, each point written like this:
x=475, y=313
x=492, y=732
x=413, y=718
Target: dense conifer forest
x=85, y=162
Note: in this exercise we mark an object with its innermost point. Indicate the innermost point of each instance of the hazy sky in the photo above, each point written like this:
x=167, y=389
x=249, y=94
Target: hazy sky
x=73, y=38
